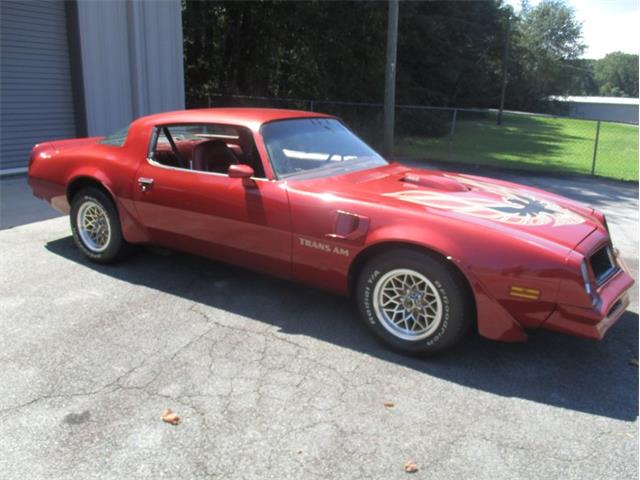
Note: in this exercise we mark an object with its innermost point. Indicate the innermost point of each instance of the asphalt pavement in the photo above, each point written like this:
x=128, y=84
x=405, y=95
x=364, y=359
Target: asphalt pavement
x=274, y=380
x=18, y=206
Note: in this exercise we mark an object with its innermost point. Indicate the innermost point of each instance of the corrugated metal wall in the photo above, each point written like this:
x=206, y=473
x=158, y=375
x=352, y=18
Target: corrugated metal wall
x=127, y=61
x=35, y=78
x=132, y=62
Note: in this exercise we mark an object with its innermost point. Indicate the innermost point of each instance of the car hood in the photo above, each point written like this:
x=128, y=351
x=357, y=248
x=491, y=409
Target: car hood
x=488, y=202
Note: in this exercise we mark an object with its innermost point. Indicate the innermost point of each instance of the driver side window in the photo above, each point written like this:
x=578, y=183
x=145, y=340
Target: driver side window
x=205, y=148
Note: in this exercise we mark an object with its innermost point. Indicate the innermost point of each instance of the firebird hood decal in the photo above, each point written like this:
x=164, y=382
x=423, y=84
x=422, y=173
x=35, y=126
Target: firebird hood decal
x=493, y=202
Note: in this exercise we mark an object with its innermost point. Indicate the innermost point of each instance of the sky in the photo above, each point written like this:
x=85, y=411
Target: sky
x=607, y=25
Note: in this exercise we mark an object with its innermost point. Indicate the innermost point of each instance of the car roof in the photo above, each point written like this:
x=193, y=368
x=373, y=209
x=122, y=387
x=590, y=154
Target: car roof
x=251, y=118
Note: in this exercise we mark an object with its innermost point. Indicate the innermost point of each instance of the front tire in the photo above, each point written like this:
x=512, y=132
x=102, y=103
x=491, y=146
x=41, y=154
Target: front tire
x=95, y=225
x=414, y=302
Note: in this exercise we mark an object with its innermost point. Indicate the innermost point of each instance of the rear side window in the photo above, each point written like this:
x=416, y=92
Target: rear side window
x=117, y=139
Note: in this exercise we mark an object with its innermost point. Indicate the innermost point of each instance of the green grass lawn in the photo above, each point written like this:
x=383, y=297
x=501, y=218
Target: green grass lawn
x=545, y=143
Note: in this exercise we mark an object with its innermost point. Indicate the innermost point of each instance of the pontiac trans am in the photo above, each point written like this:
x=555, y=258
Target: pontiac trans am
x=427, y=255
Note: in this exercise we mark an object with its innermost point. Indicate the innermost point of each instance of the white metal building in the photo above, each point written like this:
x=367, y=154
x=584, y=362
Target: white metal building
x=611, y=109
x=83, y=67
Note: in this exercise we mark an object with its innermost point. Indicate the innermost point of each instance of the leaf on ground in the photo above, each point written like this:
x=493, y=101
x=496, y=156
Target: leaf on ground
x=169, y=417
x=410, y=467
x=633, y=362
x=389, y=404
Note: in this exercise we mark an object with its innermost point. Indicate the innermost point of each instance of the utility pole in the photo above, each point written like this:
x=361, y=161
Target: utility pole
x=505, y=61
x=390, y=77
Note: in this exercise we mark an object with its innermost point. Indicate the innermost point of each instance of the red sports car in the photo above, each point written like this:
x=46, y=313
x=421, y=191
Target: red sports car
x=426, y=254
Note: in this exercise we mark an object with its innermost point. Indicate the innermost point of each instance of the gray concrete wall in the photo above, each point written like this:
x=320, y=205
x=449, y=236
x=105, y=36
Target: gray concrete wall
x=131, y=61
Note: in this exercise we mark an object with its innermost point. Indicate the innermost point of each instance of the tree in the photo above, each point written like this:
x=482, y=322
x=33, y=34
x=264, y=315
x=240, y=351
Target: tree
x=449, y=52
x=584, y=81
x=310, y=49
x=547, y=41
x=617, y=75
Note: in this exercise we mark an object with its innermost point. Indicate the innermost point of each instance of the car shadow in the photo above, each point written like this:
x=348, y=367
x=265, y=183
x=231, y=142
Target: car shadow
x=552, y=369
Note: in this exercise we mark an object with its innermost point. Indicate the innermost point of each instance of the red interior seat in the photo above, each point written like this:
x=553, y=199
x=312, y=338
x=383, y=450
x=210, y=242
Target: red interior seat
x=213, y=156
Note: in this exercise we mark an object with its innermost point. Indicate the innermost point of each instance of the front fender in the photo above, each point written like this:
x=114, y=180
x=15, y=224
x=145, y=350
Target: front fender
x=494, y=319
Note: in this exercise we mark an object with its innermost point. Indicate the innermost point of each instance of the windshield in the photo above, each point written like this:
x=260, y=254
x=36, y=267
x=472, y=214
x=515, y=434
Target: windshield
x=316, y=147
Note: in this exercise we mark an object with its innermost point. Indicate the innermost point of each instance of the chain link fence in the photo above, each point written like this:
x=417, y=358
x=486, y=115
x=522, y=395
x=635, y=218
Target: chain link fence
x=524, y=140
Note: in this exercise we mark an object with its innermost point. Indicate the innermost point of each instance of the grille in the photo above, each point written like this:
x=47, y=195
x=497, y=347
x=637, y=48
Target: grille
x=603, y=264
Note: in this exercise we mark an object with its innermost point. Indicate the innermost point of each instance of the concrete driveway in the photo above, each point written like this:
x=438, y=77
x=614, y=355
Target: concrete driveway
x=276, y=380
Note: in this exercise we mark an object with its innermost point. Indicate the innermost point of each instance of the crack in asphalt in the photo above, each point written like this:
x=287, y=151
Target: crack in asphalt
x=254, y=390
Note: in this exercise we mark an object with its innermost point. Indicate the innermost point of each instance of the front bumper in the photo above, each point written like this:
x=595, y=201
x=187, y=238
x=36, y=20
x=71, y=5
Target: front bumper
x=594, y=322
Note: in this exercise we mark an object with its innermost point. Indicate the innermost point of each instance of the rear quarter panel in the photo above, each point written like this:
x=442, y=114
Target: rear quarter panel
x=55, y=166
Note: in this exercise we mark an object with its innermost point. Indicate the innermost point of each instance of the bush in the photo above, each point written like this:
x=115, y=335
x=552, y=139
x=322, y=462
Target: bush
x=423, y=123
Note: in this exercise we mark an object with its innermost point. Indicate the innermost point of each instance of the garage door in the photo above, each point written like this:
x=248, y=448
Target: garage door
x=35, y=79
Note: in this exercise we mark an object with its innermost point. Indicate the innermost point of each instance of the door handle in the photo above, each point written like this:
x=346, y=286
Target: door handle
x=145, y=183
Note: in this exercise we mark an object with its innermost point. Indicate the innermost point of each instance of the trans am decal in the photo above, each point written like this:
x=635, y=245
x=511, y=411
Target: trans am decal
x=508, y=205
x=324, y=247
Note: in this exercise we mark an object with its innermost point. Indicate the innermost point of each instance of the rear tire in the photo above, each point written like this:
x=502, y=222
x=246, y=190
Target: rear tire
x=414, y=302
x=96, y=228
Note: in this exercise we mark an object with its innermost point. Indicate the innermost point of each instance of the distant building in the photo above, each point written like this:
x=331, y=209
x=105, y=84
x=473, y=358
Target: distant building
x=83, y=68
x=611, y=109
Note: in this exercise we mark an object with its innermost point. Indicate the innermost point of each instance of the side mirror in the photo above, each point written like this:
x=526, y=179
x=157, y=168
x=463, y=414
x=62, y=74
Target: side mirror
x=245, y=172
